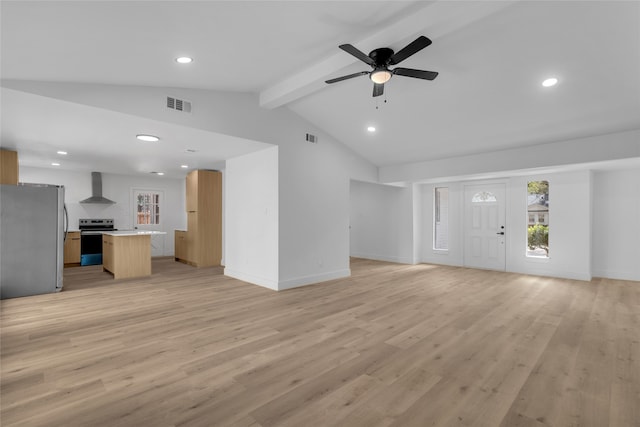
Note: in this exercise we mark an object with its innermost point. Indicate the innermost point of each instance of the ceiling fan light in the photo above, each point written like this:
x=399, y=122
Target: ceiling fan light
x=380, y=76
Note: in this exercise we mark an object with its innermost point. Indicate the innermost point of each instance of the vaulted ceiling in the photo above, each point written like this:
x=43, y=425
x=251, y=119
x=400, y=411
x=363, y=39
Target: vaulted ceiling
x=491, y=56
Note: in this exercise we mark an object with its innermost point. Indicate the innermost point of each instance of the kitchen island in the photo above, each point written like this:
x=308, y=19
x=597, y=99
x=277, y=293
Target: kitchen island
x=127, y=253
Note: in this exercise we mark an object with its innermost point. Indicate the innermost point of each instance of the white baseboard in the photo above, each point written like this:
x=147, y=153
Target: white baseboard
x=532, y=271
x=552, y=273
x=442, y=261
x=250, y=278
x=315, y=278
x=398, y=260
x=617, y=275
x=289, y=283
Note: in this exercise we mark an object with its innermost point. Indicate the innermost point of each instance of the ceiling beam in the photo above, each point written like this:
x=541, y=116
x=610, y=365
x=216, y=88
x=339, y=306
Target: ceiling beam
x=434, y=20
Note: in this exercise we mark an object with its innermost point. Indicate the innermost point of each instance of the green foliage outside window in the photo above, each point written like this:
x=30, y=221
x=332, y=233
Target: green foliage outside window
x=538, y=187
x=538, y=237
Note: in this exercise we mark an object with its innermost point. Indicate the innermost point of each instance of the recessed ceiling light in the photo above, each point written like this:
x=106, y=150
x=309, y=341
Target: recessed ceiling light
x=184, y=60
x=160, y=173
x=55, y=164
x=184, y=166
x=62, y=153
x=552, y=81
x=148, y=138
x=371, y=129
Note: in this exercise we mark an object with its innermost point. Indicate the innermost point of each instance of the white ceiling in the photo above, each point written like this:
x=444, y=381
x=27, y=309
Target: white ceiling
x=103, y=140
x=237, y=45
x=491, y=56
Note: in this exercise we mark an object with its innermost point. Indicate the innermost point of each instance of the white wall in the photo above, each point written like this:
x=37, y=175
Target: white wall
x=614, y=146
x=569, y=229
x=251, y=212
x=117, y=188
x=616, y=224
x=569, y=226
x=313, y=183
x=381, y=218
x=314, y=208
x=313, y=178
x=417, y=208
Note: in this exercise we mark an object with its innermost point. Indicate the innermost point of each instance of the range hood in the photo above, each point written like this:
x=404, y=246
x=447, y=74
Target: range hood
x=96, y=191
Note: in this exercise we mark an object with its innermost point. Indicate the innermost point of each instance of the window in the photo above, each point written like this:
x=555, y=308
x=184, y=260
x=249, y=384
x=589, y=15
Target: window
x=441, y=218
x=538, y=224
x=148, y=208
x=484, y=197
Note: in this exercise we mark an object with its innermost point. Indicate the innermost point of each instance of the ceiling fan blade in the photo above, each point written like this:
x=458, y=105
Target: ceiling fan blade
x=418, y=74
x=358, y=54
x=378, y=89
x=413, y=47
x=350, y=76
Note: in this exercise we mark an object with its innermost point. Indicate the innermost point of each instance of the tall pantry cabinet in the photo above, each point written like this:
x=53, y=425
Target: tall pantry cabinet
x=201, y=244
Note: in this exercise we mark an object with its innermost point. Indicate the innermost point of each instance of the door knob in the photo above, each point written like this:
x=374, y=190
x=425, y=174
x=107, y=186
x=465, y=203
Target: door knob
x=501, y=233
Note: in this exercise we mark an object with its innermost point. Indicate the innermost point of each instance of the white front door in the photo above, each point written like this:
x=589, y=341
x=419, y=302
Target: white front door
x=148, y=215
x=484, y=231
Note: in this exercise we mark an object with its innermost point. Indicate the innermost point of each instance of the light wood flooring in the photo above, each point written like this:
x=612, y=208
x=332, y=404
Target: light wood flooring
x=393, y=345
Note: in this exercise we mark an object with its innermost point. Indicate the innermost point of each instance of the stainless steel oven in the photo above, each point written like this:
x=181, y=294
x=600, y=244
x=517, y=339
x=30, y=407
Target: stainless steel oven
x=91, y=239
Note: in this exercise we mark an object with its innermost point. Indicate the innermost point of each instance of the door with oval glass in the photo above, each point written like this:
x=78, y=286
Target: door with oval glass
x=484, y=229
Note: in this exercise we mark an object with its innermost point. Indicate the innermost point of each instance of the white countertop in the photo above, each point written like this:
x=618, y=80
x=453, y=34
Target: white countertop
x=133, y=233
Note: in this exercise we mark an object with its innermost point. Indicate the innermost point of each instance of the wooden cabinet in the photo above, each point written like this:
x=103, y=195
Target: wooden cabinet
x=72, y=248
x=192, y=190
x=107, y=253
x=8, y=167
x=203, y=238
x=126, y=256
x=181, y=245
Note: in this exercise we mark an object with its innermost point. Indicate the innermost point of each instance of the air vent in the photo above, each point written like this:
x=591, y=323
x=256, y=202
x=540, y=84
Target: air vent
x=178, y=104
x=312, y=138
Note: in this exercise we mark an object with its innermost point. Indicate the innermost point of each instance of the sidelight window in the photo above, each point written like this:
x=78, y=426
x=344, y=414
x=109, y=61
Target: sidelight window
x=441, y=218
x=538, y=219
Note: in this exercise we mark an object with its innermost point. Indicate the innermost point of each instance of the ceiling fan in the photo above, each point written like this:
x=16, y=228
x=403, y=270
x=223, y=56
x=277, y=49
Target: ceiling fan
x=380, y=59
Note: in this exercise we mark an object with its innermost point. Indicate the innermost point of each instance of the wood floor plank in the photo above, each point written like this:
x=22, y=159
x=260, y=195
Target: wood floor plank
x=278, y=410
x=392, y=345
x=550, y=379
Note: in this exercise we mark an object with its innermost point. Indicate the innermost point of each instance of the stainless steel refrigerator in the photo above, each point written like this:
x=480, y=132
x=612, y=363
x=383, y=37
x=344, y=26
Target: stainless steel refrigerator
x=32, y=222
